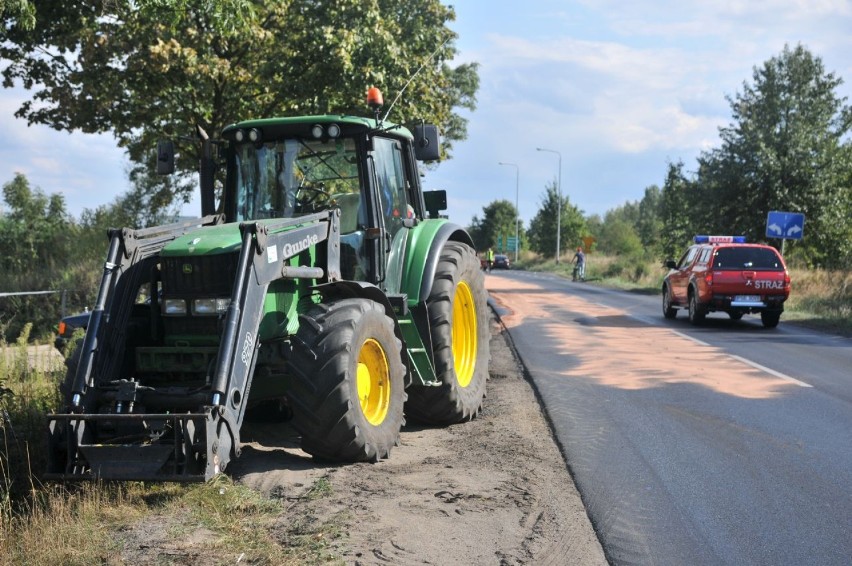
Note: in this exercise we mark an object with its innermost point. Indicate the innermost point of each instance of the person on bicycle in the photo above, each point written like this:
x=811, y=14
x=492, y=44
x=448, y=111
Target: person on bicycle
x=489, y=259
x=580, y=268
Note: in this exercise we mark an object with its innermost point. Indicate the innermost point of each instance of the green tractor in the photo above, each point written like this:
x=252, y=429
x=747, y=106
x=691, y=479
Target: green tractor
x=324, y=283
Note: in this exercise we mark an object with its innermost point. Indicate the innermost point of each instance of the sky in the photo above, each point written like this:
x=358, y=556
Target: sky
x=613, y=90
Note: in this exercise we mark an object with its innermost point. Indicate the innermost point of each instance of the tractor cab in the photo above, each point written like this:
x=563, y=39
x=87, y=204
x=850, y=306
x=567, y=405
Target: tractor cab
x=289, y=167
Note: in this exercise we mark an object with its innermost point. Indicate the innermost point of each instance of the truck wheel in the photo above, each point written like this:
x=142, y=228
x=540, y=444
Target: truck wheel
x=696, y=311
x=348, y=381
x=458, y=320
x=668, y=310
x=770, y=319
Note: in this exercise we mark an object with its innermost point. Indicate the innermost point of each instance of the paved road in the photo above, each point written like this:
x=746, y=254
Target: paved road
x=722, y=444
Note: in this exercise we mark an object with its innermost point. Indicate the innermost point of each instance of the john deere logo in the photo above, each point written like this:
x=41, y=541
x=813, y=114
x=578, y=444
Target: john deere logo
x=187, y=268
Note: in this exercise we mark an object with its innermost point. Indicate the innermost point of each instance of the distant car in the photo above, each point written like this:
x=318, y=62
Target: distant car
x=723, y=273
x=67, y=326
x=501, y=261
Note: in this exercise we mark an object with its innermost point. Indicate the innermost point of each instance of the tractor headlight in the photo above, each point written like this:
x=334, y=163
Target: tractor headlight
x=174, y=307
x=210, y=307
x=333, y=131
x=317, y=131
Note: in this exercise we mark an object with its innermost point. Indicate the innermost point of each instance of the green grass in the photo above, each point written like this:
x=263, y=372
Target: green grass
x=94, y=523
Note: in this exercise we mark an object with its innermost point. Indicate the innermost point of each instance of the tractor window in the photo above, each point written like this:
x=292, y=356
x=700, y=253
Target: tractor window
x=391, y=182
x=290, y=177
x=392, y=187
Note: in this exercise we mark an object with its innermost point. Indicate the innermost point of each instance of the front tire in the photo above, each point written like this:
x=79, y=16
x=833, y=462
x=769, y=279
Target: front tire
x=348, y=388
x=458, y=320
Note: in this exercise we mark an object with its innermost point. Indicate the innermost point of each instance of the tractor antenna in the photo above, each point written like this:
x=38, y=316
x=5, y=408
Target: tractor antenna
x=417, y=72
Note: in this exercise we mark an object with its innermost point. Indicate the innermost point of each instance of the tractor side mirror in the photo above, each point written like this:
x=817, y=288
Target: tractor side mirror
x=671, y=264
x=435, y=201
x=427, y=145
x=165, y=157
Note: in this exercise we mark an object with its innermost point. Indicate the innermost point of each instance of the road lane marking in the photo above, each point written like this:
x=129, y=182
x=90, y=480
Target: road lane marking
x=755, y=365
x=688, y=337
x=771, y=371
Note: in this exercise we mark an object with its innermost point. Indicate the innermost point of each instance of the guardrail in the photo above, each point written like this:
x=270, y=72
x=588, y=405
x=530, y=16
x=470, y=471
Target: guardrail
x=63, y=299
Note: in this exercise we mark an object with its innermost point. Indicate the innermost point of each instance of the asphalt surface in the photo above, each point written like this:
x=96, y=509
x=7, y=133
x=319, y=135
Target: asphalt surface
x=725, y=443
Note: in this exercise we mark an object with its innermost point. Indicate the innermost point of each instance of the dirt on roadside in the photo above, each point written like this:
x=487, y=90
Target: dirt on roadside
x=495, y=490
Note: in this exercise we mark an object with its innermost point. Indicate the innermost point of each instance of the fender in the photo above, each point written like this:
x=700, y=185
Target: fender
x=423, y=253
x=358, y=289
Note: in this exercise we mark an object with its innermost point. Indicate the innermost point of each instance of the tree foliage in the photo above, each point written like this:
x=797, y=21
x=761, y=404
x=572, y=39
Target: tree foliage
x=676, y=210
x=787, y=149
x=38, y=239
x=144, y=74
x=498, y=221
x=18, y=12
x=35, y=228
x=618, y=235
x=543, y=227
x=633, y=228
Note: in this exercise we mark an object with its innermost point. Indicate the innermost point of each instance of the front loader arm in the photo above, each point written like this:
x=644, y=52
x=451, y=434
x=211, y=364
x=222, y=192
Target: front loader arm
x=180, y=445
x=122, y=275
x=263, y=259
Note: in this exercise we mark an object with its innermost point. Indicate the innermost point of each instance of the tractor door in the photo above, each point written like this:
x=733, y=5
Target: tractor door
x=396, y=212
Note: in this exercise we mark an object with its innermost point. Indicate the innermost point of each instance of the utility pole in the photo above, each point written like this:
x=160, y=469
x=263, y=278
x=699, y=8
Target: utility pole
x=517, y=210
x=558, y=201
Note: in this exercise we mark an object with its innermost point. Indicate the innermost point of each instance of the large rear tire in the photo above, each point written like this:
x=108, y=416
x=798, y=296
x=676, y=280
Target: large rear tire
x=668, y=310
x=696, y=310
x=348, y=381
x=770, y=319
x=458, y=319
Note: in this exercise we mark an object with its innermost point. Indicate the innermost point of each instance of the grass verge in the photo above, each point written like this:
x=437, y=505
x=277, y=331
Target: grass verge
x=217, y=522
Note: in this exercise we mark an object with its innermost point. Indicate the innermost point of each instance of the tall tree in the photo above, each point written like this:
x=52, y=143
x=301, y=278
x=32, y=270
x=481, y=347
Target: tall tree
x=675, y=210
x=618, y=234
x=649, y=223
x=35, y=229
x=142, y=74
x=543, y=226
x=38, y=239
x=498, y=222
x=787, y=149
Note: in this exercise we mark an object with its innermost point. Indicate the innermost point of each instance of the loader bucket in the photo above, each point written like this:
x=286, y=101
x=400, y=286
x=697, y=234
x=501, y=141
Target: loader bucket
x=142, y=447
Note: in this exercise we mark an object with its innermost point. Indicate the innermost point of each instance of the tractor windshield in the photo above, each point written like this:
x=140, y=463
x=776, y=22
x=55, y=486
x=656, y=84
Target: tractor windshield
x=283, y=178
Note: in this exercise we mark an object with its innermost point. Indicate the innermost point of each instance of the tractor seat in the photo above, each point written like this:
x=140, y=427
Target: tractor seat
x=348, y=204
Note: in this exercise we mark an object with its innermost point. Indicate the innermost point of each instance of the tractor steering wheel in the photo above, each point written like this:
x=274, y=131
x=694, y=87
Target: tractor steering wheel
x=308, y=196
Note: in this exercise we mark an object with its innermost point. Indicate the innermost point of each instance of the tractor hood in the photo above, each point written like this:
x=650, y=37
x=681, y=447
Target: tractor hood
x=210, y=240
x=224, y=238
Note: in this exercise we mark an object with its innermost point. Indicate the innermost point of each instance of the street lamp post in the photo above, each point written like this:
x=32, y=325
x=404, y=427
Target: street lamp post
x=517, y=210
x=558, y=200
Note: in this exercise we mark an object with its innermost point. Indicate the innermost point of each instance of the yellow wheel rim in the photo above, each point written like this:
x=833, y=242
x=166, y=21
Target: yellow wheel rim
x=374, y=387
x=464, y=334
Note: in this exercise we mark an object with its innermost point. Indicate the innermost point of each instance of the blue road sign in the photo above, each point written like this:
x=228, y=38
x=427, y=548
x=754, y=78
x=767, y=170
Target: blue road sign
x=786, y=225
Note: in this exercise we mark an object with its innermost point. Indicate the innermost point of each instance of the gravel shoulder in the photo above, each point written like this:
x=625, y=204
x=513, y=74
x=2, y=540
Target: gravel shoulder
x=495, y=490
